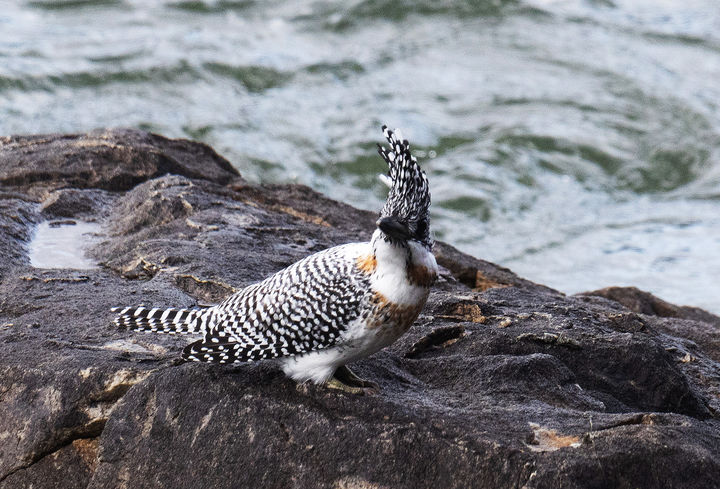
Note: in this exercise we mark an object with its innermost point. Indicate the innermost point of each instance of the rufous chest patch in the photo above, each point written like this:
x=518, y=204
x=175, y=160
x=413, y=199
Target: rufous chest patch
x=396, y=317
x=367, y=263
x=421, y=275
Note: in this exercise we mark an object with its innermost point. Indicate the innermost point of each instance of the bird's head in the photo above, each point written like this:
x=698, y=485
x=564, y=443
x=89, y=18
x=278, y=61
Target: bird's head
x=406, y=213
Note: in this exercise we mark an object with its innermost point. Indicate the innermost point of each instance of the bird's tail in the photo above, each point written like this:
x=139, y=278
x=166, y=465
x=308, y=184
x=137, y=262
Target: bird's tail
x=171, y=321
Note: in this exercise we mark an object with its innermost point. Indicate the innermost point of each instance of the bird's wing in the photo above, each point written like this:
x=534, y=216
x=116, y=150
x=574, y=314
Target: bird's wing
x=302, y=308
x=227, y=352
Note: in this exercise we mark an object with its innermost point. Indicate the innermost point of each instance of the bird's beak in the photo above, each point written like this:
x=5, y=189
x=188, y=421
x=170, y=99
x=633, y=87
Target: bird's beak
x=394, y=228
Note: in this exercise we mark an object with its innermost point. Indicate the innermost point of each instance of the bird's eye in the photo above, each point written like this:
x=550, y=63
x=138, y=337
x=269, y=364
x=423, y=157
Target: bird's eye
x=421, y=229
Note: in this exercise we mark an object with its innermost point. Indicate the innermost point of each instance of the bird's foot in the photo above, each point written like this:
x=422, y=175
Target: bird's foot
x=345, y=380
x=347, y=377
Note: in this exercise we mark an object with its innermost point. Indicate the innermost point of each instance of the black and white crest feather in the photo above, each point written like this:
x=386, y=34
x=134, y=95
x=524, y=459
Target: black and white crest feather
x=409, y=196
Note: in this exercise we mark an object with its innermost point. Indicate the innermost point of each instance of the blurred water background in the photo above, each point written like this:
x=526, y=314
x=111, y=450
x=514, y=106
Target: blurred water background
x=575, y=141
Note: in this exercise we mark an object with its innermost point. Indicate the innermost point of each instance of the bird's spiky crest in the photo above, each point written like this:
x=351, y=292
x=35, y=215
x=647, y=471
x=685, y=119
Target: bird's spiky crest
x=409, y=196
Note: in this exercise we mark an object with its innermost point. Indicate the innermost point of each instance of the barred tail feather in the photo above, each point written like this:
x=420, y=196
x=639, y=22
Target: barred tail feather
x=171, y=321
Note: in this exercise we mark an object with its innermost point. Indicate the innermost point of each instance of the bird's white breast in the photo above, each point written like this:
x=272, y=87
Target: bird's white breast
x=393, y=276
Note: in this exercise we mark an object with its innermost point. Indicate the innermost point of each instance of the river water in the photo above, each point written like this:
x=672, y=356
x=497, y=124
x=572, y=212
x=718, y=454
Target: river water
x=576, y=142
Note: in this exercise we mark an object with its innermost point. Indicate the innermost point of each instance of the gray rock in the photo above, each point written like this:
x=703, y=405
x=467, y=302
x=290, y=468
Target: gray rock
x=501, y=383
x=105, y=159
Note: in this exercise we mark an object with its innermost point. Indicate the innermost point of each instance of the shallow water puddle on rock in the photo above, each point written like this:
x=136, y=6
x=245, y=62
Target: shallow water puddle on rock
x=62, y=244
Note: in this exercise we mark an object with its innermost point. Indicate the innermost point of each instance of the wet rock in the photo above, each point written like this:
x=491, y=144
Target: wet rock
x=70, y=202
x=48, y=473
x=645, y=303
x=17, y=220
x=115, y=159
x=477, y=274
x=501, y=382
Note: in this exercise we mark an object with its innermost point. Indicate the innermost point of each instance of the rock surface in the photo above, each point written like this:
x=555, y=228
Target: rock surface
x=502, y=383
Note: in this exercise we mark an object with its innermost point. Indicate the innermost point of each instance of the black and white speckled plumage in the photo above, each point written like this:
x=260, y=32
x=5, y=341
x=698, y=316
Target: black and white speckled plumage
x=328, y=309
x=302, y=308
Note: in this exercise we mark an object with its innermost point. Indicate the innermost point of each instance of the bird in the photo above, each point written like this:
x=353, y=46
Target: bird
x=329, y=309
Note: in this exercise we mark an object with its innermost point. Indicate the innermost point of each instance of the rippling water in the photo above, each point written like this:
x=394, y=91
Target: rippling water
x=576, y=142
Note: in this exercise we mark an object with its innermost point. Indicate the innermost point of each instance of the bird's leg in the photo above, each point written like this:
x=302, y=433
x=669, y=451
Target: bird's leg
x=345, y=380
